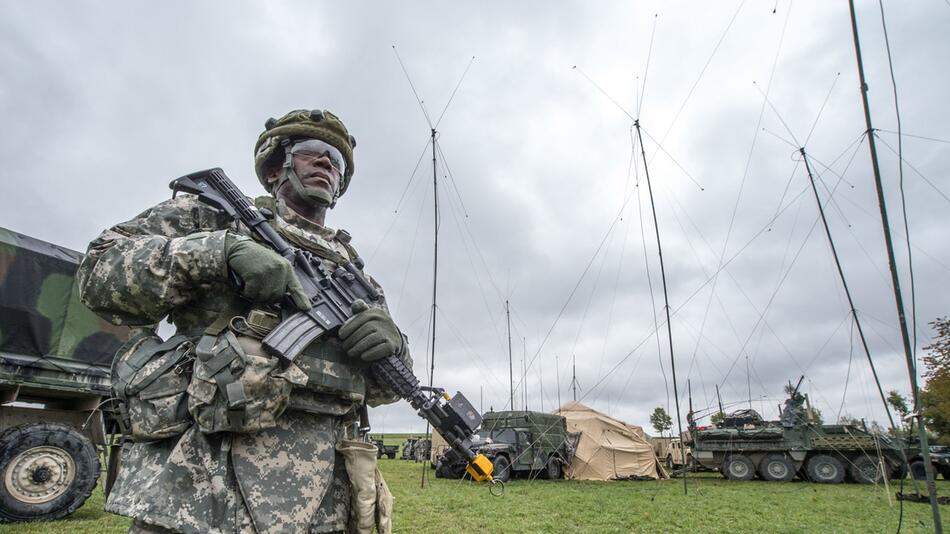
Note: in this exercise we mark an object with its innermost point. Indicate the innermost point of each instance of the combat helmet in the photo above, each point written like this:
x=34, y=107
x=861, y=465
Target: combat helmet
x=274, y=144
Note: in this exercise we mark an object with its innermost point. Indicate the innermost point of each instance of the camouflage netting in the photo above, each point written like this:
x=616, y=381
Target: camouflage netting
x=40, y=311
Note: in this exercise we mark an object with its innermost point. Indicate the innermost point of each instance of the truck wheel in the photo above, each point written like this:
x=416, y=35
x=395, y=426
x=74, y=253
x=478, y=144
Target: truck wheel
x=917, y=470
x=501, y=468
x=776, y=468
x=825, y=469
x=391, y=455
x=48, y=470
x=552, y=470
x=867, y=470
x=899, y=472
x=738, y=467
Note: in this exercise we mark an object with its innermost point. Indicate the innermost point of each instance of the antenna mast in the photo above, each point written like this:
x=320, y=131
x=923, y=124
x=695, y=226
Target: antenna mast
x=895, y=280
x=666, y=298
x=524, y=372
x=433, y=130
x=511, y=375
x=574, y=378
x=719, y=398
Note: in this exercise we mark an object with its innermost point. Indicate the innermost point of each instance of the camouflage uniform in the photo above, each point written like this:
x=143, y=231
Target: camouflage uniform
x=170, y=261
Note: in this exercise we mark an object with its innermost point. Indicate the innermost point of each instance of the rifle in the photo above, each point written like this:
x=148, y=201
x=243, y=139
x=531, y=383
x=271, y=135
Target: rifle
x=332, y=295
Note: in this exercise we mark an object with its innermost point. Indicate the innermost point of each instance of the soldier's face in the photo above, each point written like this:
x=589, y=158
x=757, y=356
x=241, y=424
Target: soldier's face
x=317, y=171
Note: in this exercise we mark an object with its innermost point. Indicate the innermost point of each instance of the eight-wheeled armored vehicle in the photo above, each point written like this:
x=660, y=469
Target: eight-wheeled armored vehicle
x=745, y=446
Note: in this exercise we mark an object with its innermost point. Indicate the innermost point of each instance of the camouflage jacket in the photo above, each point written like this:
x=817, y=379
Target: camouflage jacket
x=170, y=261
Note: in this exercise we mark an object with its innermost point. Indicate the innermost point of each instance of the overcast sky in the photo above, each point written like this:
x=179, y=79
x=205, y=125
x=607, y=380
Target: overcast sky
x=543, y=199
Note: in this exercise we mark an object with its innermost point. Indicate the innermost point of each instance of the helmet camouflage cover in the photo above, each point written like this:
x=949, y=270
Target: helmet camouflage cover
x=303, y=124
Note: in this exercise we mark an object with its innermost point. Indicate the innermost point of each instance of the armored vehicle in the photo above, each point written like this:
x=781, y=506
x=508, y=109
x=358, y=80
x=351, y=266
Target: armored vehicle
x=55, y=357
x=940, y=458
x=517, y=442
x=745, y=445
x=385, y=450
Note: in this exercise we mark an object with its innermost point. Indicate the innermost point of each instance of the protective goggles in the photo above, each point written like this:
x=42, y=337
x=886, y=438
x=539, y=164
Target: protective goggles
x=316, y=148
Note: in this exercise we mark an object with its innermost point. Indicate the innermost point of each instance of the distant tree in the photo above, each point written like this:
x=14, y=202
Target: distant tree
x=935, y=397
x=717, y=418
x=848, y=419
x=661, y=421
x=789, y=389
x=899, y=404
x=816, y=416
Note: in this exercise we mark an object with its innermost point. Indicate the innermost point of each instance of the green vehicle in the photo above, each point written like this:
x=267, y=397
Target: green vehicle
x=745, y=446
x=518, y=442
x=55, y=358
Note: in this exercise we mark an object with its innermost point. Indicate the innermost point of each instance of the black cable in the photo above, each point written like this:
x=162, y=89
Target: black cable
x=900, y=174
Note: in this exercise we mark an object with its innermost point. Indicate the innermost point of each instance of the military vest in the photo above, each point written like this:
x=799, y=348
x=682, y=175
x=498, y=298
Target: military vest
x=335, y=381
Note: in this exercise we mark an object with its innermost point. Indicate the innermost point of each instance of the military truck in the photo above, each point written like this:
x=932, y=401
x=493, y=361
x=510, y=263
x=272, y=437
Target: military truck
x=385, y=450
x=745, y=445
x=517, y=442
x=407, y=449
x=676, y=455
x=416, y=449
x=55, y=357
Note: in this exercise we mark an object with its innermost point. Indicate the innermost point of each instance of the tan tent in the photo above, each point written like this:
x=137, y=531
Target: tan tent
x=439, y=446
x=608, y=448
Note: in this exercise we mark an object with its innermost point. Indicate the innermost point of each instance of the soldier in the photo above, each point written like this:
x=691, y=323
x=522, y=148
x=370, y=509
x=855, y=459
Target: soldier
x=269, y=462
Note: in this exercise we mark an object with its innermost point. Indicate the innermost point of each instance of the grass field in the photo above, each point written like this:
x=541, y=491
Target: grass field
x=713, y=505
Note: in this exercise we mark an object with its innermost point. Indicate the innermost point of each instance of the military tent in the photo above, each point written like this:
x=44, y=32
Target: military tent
x=608, y=449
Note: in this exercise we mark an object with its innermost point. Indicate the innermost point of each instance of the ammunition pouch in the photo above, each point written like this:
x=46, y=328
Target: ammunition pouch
x=149, y=380
x=334, y=382
x=235, y=387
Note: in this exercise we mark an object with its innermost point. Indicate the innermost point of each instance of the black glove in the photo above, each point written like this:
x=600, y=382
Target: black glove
x=266, y=276
x=371, y=334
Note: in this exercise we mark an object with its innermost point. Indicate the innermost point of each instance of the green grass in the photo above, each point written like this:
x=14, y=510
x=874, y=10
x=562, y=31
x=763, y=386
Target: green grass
x=713, y=505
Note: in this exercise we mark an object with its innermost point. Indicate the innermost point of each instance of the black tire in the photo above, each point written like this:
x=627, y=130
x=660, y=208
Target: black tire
x=552, y=471
x=917, y=470
x=501, y=468
x=866, y=470
x=824, y=469
x=945, y=472
x=776, y=467
x=391, y=455
x=899, y=472
x=738, y=467
x=47, y=471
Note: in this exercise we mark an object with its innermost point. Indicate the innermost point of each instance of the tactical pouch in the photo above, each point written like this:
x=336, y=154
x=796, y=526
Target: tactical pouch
x=150, y=378
x=235, y=387
x=370, y=500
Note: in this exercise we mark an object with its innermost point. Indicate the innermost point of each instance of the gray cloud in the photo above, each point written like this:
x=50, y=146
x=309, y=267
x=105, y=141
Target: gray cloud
x=105, y=102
